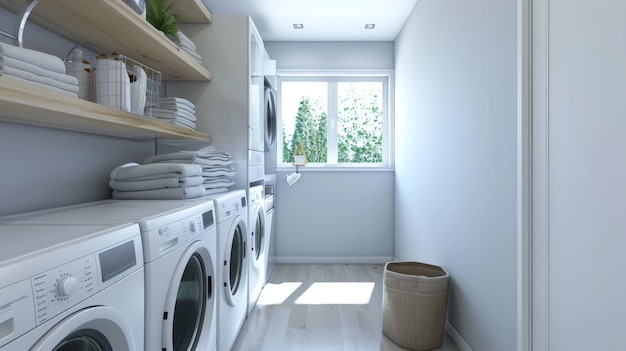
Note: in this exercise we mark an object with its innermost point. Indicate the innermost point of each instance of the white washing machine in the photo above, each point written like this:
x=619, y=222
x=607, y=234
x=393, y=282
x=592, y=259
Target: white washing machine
x=257, y=244
x=179, y=250
x=231, y=213
x=71, y=287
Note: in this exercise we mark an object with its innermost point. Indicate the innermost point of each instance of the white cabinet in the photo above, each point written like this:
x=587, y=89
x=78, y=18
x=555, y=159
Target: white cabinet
x=230, y=106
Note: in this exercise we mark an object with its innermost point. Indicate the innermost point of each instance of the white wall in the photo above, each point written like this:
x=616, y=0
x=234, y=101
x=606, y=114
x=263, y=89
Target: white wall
x=42, y=167
x=456, y=177
x=584, y=123
x=334, y=216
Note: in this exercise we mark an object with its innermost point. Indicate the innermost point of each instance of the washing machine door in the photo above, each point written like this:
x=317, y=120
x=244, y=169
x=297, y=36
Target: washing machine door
x=258, y=236
x=99, y=328
x=190, y=301
x=270, y=118
x=236, y=264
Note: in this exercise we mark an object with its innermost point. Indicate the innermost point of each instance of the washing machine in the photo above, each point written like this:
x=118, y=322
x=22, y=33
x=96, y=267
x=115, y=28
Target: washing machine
x=231, y=213
x=71, y=287
x=179, y=250
x=256, y=240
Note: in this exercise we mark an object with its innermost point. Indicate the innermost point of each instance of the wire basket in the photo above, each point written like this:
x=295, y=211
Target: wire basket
x=115, y=81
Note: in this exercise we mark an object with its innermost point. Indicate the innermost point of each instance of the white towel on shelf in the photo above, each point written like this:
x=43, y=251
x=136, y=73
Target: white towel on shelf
x=45, y=86
x=186, y=41
x=29, y=67
x=161, y=194
x=43, y=60
x=218, y=184
x=72, y=88
x=189, y=156
x=134, y=171
x=177, y=100
x=194, y=55
x=217, y=171
x=177, y=107
x=171, y=114
x=184, y=123
x=153, y=184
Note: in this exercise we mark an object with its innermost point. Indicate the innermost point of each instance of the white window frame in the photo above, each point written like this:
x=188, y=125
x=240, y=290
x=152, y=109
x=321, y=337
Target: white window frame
x=385, y=76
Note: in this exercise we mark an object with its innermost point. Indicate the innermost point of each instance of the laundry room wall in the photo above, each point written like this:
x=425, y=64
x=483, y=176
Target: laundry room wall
x=334, y=216
x=44, y=167
x=456, y=160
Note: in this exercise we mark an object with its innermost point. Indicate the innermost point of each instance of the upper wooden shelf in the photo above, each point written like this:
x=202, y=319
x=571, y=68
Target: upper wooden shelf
x=107, y=26
x=191, y=11
x=27, y=104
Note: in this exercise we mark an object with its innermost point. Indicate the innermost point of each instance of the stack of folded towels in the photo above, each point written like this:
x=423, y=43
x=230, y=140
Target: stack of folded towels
x=159, y=181
x=174, y=110
x=37, y=68
x=216, y=165
x=187, y=46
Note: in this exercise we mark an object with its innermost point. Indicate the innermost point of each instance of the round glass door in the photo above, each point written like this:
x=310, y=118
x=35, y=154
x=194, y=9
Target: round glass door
x=190, y=305
x=237, y=252
x=84, y=340
x=259, y=234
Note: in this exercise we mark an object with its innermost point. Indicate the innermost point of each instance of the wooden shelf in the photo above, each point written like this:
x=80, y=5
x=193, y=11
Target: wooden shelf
x=191, y=11
x=106, y=26
x=27, y=104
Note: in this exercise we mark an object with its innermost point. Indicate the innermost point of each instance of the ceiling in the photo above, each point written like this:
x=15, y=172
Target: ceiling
x=323, y=20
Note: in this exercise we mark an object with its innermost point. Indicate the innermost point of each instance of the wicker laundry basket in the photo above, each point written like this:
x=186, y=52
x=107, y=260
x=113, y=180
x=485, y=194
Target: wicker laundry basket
x=415, y=299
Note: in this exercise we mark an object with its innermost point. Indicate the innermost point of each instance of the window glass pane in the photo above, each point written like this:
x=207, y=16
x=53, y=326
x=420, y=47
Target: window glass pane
x=304, y=112
x=360, y=122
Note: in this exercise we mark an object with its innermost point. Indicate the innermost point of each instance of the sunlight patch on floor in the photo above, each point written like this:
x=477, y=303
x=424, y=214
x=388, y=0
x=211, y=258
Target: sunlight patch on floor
x=275, y=294
x=336, y=293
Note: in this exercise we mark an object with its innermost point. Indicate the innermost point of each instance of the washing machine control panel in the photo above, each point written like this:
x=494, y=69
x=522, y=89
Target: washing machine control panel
x=191, y=227
x=59, y=288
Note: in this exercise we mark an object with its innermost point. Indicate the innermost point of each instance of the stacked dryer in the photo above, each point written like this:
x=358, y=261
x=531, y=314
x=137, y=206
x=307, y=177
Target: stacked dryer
x=179, y=250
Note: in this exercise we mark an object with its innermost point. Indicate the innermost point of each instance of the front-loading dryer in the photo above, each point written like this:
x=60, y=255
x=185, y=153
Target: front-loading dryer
x=256, y=240
x=231, y=213
x=179, y=250
x=71, y=287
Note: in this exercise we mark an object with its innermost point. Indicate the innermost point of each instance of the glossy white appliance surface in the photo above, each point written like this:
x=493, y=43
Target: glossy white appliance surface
x=179, y=243
x=270, y=230
x=64, y=285
x=256, y=244
x=231, y=213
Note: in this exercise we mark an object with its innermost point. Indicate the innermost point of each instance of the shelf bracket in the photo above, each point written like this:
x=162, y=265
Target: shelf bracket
x=27, y=8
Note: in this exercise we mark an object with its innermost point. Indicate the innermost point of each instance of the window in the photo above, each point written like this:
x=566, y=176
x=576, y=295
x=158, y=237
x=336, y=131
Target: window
x=339, y=120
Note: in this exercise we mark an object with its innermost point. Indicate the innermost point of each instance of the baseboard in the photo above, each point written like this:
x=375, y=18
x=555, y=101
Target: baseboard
x=333, y=259
x=457, y=338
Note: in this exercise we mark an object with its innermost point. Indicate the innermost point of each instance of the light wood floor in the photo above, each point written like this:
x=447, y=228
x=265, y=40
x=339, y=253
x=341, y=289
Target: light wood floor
x=318, y=308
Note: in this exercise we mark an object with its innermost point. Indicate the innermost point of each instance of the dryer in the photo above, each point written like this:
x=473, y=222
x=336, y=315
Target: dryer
x=257, y=244
x=179, y=251
x=231, y=213
x=71, y=287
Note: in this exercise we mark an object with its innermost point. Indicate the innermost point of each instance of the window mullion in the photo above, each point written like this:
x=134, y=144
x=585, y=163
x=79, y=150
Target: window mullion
x=332, y=122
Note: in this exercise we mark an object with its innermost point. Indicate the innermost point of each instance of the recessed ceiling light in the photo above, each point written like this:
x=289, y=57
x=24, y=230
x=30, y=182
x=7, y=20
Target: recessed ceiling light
x=370, y=26
x=298, y=26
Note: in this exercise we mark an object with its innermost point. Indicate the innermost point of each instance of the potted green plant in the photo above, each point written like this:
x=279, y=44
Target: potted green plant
x=160, y=15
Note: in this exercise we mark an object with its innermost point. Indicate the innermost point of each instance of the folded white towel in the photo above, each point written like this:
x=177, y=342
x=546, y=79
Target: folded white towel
x=177, y=107
x=218, y=184
x=165, y=113
x=160, y=170
x=49, y=62
x=29, y=67
x=153, y=184
x=186, y=41
x=209, y=171
x=161, y=194
x=72, y=88
x=41, y=85
x=177, y=100
x=184, y=123
x=188, y=155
